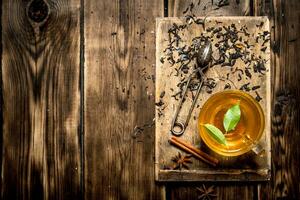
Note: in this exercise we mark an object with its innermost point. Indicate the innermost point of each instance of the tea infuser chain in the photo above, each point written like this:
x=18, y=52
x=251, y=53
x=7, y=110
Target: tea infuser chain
x=203, y=60
x=180, y=125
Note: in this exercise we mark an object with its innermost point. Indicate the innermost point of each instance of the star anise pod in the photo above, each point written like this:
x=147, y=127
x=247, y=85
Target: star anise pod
x=206, y=193
x=181, y=161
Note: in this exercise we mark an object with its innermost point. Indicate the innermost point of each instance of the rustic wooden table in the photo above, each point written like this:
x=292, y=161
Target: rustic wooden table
x=78, y=77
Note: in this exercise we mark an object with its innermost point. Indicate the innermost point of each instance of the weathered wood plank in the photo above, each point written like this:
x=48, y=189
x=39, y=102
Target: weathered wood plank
x=223, y=191
x=285, y=19
x=119, y=54
x=176, y=9
x=41, y=99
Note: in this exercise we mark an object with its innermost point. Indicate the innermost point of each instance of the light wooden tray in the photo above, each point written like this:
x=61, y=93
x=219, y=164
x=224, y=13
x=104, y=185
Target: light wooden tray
x=248, y=167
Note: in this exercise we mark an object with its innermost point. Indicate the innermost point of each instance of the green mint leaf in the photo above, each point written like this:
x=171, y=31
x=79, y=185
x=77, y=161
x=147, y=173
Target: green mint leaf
x=216, y=133
x=232, y=117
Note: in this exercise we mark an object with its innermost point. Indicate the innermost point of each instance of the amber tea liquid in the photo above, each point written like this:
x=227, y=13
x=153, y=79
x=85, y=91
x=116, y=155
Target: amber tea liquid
x=247, y=132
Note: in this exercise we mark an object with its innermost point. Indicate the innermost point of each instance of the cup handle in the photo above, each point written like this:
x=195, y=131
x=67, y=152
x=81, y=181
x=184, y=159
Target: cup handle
x=257, y=148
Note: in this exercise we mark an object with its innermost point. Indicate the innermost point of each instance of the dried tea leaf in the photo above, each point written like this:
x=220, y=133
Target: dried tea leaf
x=232, y=117
x=216, y=133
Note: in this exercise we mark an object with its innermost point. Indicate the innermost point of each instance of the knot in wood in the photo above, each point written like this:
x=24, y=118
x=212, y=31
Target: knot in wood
x=38, y=11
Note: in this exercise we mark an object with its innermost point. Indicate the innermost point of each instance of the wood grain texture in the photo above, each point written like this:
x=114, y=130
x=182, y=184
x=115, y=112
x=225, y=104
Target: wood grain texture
x=40, y=92
x=41, y=98
x=285, y=21
x=223, y=191
x=176, y=8
x=119, y=54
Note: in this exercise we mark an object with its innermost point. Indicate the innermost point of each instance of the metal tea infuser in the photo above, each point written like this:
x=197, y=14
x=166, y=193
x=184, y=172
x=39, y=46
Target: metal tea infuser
x=203, y=57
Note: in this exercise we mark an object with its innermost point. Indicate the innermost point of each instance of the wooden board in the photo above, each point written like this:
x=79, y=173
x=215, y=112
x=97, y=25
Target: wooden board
x=119, y=49
x=41, y=99
x=246, y=167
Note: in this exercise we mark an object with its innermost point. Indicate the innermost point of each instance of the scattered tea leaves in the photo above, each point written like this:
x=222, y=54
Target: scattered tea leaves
x=255, y=87
x=258, y=97
x=245, y=87
x=216, y=133
x=162, y=94
x=227, y=86
x=232, y=117
x=248, y=74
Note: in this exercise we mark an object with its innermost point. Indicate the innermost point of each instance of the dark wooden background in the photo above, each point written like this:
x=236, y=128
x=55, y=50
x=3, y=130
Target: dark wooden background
x=77, y=79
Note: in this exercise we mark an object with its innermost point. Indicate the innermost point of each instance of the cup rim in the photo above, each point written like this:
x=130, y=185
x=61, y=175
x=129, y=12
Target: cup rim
x=238, y=152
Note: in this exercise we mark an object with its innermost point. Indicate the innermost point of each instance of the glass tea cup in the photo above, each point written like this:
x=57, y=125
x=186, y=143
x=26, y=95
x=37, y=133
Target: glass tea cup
x=248, y=131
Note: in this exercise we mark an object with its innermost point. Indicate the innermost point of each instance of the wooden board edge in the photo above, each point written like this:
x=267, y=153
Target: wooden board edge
x=207, y=176
x=163, y=19
x=156, y=150
x=269, y=99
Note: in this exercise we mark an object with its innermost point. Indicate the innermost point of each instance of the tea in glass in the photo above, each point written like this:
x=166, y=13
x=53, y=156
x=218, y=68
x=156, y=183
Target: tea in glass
x=246, y=133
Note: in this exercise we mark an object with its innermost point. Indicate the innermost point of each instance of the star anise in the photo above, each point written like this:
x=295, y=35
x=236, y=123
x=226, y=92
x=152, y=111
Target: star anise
x=206, y=193
x=181, y=161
